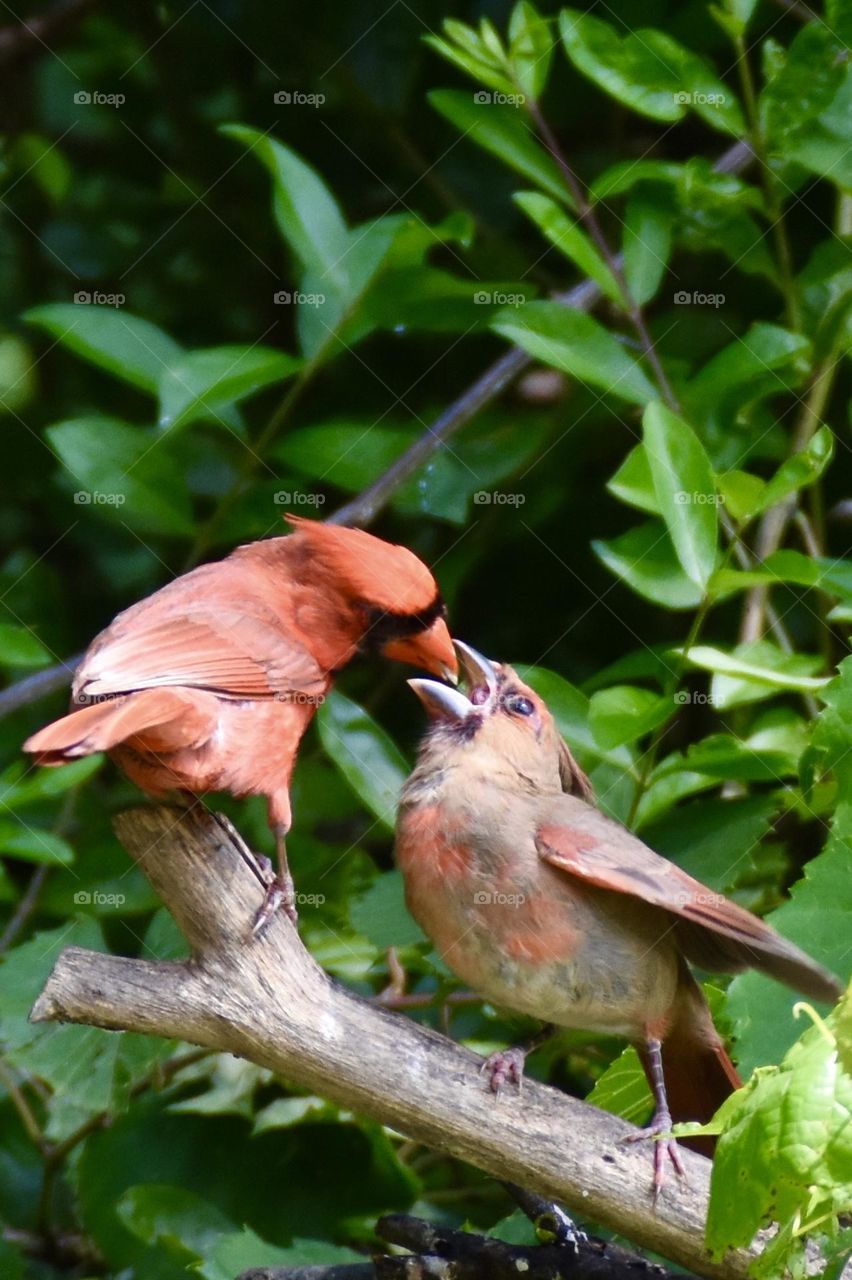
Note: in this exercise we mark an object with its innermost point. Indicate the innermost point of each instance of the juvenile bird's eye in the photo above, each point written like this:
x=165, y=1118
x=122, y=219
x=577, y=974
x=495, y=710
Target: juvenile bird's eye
x=520, y=706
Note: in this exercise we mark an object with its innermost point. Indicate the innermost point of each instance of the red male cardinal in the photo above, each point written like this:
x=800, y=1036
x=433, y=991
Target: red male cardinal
x=544, y=906
x=210, y=683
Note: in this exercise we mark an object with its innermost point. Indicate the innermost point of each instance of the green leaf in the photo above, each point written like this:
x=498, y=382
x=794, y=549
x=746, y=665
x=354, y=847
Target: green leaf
x=19, y=840
x=802, y=469
x=742, y=493
x=530, y=48
x=633, y=482
x=805, y=106
x=569, y=707
x=569, y=239
x=306, y=212
x=686, y=490
x=779, y=675
x=201, y=382
x=791, y=1129
x=714, y=839
x=766, y=361
x=623, y=1090
x=734, y=689
x=625, y=712
x=504, y=132
x=647, y=243
x=284, y=1113
x=124, y=345
x=20, y=647
x=367, y=757
x=645, y=559
x=469, y=52
x=648, y=71
x=577, y=344
x=124, y=473
x=723, y=756
x=245, y=1250
x=174, y=1215
x=380, y=913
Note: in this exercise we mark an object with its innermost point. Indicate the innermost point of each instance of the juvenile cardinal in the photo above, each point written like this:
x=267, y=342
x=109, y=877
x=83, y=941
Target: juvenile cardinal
x=210, y=683
x=545, y=906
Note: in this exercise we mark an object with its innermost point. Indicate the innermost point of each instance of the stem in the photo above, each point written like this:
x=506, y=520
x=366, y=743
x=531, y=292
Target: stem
x=589, y=219
x=16, y=1096
x=774, y=204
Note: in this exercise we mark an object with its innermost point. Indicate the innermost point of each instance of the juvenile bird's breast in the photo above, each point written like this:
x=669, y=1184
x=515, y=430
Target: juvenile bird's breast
x=521, y=933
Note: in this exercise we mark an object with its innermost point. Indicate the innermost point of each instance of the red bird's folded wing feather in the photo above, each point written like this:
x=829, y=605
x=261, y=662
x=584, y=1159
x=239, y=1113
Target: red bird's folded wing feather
x=712, y=931
x=222, y=650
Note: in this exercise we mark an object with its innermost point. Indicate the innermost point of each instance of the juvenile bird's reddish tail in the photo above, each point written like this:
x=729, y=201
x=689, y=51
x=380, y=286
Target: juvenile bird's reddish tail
x=161, y=719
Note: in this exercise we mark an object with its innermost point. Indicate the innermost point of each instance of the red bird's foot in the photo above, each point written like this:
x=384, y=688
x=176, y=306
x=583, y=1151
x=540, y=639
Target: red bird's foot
x=505, y=1066
x=661, y=1122
x=280, y=896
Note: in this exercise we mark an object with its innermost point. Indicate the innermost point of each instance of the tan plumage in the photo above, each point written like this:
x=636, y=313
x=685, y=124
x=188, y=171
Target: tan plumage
x=544, y=905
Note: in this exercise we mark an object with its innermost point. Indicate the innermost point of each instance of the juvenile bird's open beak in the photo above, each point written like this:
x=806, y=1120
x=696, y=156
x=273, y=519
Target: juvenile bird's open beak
x=478, y=672
x=441, y=701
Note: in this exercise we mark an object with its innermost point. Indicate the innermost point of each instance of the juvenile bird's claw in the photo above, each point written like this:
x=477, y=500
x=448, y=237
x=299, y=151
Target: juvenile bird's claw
x=504, y=1066
x=661, y=1122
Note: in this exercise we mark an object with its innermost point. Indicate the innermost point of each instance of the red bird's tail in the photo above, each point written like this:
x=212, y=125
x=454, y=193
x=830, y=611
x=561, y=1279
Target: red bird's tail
x=158, y=720
x=698, y=1073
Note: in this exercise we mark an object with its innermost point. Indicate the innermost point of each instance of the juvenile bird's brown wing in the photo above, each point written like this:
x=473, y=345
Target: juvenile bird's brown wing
x=712, y=931
x=223, y=650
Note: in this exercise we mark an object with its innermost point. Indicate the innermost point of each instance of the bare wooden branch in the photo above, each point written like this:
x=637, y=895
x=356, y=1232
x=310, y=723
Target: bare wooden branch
x=267, y=1000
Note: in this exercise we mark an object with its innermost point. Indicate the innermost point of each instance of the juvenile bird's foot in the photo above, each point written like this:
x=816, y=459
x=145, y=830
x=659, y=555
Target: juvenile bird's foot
x=505, y=1066
x=664, y=1148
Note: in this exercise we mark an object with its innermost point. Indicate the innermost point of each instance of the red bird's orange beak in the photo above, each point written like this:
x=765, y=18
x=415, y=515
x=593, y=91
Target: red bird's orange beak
x=432, y=650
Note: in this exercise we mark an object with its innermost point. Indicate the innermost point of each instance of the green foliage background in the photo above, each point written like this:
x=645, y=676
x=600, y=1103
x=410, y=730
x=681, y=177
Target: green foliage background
x=286, y=292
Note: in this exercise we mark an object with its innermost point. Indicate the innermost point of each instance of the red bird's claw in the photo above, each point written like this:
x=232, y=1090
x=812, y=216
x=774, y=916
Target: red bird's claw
x=276, y=898
x=506, y=1065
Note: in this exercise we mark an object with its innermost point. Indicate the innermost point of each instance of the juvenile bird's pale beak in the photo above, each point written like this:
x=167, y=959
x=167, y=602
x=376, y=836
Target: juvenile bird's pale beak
x=442, y=701
x=479, y=673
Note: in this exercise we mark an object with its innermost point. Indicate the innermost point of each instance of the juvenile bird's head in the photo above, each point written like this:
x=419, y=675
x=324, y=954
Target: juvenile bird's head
x=390, y=589
x=502, y=724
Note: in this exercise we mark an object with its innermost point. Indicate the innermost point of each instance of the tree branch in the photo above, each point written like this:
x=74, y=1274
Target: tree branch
x=444, y=1254
x=267, y=1000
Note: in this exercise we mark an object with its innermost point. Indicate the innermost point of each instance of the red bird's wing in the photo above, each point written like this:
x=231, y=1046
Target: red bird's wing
x=712, y=931
x=226, y=651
